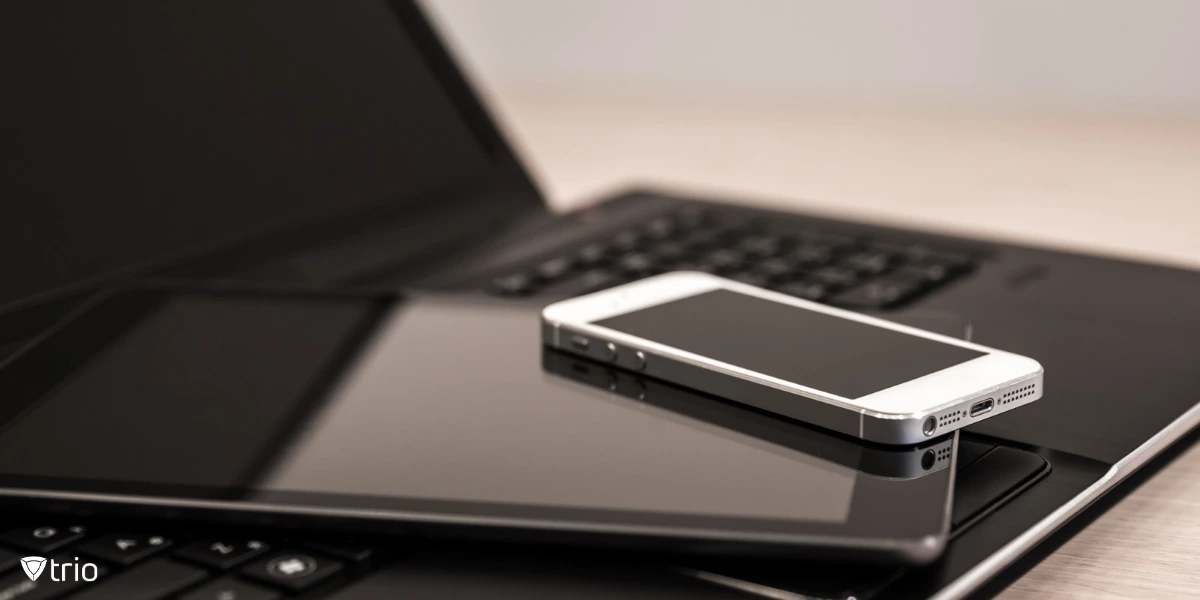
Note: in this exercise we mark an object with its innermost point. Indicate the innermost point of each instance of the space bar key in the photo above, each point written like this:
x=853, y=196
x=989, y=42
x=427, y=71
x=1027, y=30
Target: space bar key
x=150, y=580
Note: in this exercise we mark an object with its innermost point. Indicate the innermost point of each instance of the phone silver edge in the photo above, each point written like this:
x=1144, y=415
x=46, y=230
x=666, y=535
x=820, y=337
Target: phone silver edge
x=580, y=337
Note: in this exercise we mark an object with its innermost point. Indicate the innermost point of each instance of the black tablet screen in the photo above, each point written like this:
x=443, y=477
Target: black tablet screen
x=435, y=405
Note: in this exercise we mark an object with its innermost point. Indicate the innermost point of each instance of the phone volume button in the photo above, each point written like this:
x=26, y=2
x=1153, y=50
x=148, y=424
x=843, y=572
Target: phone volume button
x=639, y=360
x=610, y=352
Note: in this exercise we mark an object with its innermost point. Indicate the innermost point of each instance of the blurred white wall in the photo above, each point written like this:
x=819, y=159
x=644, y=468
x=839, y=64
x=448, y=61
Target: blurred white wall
x=1140, y=56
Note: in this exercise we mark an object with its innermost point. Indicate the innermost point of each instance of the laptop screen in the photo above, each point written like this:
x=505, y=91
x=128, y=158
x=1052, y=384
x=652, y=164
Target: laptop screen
x=142, y=129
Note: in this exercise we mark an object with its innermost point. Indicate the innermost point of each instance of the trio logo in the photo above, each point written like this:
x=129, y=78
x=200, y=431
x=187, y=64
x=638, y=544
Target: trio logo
x=33, y=565
x=64, y=571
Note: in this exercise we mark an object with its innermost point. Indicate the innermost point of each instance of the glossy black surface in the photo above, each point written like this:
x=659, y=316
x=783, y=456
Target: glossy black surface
x=443, y=409
x=835, y=355
x=883, y=461
x=154, y=130
x=443, y=575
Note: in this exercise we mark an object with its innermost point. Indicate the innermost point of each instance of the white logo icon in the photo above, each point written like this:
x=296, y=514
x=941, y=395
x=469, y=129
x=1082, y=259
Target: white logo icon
x=33, y=566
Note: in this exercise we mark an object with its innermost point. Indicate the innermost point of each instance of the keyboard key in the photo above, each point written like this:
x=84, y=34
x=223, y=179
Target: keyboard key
x=660, y=228
x=812, y=255
x=149, y=581
x=670, y=252
x=881, y=293
x=222, y=554
x=554, y=268
x=929, y=273
x=730, y=234
x=777, y=269
x=702, y=240
x=517, y=284
x=922, y=252
x=637, y=264
x=762, y=245
x=938, y=268
x=125, y=548
x=295, y=571
x=348, y=550
x=229, y=588
x=838, y=242
x=725, y=260
x=597, y=253
x=17, y=586
x=807, y=290
x=835, y=277
x=870, y=263
x=43, y=539
x=627, y=241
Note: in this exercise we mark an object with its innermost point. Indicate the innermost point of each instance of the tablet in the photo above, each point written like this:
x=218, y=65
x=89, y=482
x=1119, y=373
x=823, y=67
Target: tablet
x=438, y=414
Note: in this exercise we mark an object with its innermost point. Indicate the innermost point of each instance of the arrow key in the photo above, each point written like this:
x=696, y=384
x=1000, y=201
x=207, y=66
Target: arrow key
x=125, y=548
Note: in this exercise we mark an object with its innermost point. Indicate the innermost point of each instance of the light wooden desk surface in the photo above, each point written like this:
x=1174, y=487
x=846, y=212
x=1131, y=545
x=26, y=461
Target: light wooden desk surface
x=1123, y=186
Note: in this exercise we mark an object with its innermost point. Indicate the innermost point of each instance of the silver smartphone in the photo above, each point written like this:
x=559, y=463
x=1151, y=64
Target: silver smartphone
x=852, y=373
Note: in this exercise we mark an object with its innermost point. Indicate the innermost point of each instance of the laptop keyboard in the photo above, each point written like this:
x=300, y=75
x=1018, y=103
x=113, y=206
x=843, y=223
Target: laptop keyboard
x=840, y=268
x=141, y=564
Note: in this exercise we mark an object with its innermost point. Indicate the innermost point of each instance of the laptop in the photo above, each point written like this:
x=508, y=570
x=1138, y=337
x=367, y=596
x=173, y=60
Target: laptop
x=314, y=146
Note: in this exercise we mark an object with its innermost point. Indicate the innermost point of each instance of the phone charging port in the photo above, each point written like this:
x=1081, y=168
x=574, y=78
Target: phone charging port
x=982, y=407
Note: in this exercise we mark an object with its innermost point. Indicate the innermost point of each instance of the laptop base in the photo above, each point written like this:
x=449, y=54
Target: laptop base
x=1117, y=356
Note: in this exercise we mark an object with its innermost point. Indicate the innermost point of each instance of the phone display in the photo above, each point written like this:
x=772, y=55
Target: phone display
x=429, y=412
x=847, y=358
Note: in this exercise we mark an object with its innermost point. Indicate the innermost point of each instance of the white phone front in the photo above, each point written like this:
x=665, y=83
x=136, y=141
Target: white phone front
x=859, y=375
